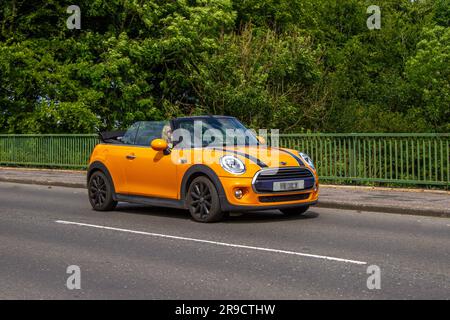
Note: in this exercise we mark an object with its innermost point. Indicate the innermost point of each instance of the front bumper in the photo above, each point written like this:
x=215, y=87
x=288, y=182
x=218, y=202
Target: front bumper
x=230, y=207
x=251, y=200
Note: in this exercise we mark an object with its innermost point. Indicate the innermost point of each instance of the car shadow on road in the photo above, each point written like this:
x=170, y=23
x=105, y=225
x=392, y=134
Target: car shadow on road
x=266, y=216
x=234, y=217
x=153, y=211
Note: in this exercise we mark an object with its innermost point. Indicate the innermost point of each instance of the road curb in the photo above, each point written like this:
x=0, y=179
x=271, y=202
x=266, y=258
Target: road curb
x=44, y=183
x=383, y=209
x=321, y=203
x=388, y=189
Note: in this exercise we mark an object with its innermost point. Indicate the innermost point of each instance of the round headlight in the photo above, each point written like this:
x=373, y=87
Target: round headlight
x=307, y=159
x=232, y=164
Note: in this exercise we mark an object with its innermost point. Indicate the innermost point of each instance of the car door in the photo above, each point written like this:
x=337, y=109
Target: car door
x=116, y=162
x=115, y=158
x=149, y=172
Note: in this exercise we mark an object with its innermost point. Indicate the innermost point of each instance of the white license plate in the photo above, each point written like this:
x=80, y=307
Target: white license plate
x=289, y=185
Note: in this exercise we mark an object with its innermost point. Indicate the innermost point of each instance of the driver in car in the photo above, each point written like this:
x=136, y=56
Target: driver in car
x=166, y=134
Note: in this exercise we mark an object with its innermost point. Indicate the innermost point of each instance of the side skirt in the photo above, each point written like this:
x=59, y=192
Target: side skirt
x=156, y=202
x=181, y=204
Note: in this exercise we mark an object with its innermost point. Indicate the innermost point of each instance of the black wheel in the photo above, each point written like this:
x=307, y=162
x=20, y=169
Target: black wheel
x=100, y=191
x=295, y=211
x=203, y=201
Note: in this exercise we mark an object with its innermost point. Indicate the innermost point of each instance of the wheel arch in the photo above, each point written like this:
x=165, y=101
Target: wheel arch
x=197, y=171
x=99, y=166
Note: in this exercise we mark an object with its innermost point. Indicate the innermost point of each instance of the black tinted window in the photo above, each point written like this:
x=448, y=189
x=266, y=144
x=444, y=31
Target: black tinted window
x=142, y=133
x=148, y=131
x=130, y=134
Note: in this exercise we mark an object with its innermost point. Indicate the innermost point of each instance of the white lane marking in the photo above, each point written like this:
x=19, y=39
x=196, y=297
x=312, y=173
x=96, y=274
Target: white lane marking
x=212, y=242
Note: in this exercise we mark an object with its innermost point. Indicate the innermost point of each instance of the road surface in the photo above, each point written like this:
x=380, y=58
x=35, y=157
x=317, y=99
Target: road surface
x=139, y=252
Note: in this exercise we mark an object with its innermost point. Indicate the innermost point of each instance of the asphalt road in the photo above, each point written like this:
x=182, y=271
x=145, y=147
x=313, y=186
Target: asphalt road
x=139, y=252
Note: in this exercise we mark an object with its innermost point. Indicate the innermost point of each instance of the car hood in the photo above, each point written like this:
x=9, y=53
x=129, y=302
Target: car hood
x=264, y=156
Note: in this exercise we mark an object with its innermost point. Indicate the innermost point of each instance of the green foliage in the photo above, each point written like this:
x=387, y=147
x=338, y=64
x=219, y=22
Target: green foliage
x=127, y=63
x=262, y=77
x=441, y=12
x=292, y=64
x=369, y=90
x=429, y=74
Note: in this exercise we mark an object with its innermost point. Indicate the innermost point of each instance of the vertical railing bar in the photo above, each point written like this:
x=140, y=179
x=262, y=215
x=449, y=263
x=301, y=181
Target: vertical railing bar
x=419, y=174
x=442, y=159
x=335, y=158
x=390, y=157
x=407, y=157
x=325, y=158
x=385, y=159
x=319, y=155
x=340, y=157
x=436, y=176
x=74, y=156
x=344, y=150
x=379, y=159
x=430, y=160
x=448, y=164
x=401, y=158
x=413, y=160
x=355, y=160
x=396, y=158
x=331, y=157
x=424, y=161
x=350, y=157
x=364, y=154
x=370, y=157
x=374, y=158
x=307, y=147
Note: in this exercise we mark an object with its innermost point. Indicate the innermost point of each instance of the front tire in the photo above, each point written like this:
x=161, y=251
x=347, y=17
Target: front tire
x=297, y=211
x=100, y=191
x=203, y=201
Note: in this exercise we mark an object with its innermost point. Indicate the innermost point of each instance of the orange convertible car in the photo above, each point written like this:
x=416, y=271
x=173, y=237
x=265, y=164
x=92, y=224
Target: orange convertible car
x=209, y=165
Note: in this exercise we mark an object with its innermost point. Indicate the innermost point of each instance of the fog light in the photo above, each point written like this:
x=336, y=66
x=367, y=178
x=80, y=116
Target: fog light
x=238, y=193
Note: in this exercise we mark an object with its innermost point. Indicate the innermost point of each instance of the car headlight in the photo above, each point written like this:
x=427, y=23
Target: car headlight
x=307, y=159
x=232, y=164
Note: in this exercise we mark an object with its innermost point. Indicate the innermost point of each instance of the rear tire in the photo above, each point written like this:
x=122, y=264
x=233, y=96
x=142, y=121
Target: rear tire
x=100, y=191
x=203, y=201
x=297, y=211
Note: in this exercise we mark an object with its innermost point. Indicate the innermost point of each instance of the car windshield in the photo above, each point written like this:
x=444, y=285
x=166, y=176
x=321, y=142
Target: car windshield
x=212, y=132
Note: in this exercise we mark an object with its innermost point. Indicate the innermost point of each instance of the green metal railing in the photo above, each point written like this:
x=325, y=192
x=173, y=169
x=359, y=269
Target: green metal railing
x=47, y=150
x=388, y=158
x=383, y=158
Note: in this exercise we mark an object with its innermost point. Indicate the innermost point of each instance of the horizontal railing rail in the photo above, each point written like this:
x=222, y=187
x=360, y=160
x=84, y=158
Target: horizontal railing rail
x=399, y=158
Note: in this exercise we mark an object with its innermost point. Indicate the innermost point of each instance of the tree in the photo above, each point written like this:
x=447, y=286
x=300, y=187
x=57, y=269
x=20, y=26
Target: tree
x=126, y=64
x=292, y=64
x=429, y=74
x=262, y=77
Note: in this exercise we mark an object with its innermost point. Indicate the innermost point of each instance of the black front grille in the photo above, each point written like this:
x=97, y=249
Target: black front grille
x=284, y=173
x=265, y=179
x=291, y=197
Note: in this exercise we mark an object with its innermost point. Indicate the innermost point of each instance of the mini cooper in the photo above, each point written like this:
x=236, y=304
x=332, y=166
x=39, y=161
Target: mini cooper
x=209, y=165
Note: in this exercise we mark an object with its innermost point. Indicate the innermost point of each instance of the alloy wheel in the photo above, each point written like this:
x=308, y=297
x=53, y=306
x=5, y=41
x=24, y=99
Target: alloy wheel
x=201, y=199
x=98, y=191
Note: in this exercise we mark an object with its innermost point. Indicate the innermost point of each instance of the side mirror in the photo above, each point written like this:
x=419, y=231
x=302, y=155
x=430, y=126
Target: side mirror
x=159, y=145
x=261, y=139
